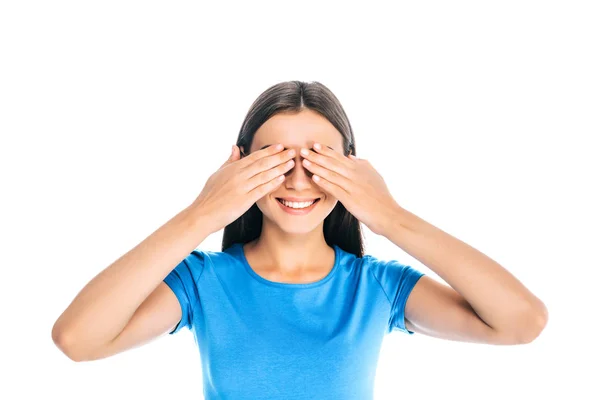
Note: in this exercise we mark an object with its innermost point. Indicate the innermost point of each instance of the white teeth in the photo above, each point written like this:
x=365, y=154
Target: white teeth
x=293, y=204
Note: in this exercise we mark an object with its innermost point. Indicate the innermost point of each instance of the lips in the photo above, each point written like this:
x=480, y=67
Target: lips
x=297, y=211
x=312, y=201
x=298, y=199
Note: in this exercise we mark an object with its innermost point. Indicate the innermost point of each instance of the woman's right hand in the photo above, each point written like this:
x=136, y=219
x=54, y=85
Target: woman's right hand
x=240, y=182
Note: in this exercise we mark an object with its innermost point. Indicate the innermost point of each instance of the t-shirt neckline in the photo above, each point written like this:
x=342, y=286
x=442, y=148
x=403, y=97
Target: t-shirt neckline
x=240, y=248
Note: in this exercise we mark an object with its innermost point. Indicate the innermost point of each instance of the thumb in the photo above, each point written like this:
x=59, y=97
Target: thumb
x=235, y=153
x=233, y=156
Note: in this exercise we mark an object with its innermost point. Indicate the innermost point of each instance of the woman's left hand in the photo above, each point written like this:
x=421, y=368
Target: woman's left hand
x=355, y=183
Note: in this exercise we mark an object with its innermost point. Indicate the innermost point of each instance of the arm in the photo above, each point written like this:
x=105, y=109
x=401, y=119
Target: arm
x=127, y=303
x=484, y=302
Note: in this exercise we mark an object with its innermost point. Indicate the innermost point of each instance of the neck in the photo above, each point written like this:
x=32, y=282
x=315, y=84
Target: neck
x=291, y=253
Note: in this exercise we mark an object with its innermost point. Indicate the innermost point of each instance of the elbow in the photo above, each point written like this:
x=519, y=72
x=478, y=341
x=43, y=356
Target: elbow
x=65, y=344
x=537, y=323
x=529, y=326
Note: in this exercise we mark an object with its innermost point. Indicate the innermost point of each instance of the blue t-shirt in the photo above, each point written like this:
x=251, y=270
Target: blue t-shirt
x=260, y=339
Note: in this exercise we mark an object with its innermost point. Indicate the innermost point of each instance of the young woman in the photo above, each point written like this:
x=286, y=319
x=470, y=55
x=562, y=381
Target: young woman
x=291, y=307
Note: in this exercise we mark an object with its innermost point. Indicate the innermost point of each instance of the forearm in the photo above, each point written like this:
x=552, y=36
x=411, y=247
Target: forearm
x=494, y=293
x=102, y=309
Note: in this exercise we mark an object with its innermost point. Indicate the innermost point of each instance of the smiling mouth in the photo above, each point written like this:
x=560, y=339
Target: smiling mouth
x=298, y=205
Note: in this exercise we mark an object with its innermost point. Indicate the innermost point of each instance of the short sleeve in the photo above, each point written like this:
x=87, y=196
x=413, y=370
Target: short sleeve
x=397, y=281
x=183, y=282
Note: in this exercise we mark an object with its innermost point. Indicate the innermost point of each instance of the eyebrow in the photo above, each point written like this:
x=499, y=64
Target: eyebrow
x=267, y=145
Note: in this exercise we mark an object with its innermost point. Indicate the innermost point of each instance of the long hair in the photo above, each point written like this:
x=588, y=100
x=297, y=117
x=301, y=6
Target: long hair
x=340, y=227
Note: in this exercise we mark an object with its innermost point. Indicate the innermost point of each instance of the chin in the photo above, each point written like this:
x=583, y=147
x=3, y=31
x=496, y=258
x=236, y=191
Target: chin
x=296, y=222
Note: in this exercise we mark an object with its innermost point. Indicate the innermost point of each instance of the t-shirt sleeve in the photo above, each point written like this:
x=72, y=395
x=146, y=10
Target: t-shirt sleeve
x=183, y=281
x=397, y=281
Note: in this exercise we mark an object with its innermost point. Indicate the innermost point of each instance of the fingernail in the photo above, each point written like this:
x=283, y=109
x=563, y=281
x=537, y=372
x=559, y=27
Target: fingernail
x=317, y=146
x=304, y=152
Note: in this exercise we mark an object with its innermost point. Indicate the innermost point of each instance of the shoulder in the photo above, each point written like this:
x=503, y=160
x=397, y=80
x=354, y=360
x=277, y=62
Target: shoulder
x=194, y=265
x=390, y=274
x=367, y=268
x=377, y=265
x=204, y=257
x=366, y=263
x=221, y=259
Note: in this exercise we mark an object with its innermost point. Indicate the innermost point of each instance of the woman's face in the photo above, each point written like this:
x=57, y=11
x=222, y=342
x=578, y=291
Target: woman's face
x=295, y=131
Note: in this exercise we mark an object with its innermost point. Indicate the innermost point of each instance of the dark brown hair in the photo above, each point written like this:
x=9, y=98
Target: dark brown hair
x=340, y=227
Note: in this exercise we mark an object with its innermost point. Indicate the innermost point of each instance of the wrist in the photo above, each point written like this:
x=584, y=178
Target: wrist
x=198, y=219
x=394, y=217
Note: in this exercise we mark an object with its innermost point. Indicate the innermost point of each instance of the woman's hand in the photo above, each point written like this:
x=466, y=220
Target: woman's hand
x=240, y=182
x=354, y=182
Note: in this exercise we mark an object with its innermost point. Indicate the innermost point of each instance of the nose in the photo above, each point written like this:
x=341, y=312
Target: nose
x=298, y=177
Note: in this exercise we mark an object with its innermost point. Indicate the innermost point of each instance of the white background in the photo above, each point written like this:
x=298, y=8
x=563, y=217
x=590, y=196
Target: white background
x=481, y=117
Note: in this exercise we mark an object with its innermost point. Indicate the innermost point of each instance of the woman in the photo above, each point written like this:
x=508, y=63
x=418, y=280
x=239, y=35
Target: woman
x=291, y=307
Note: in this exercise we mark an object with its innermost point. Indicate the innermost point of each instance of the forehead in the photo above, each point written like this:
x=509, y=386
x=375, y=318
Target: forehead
x=298, y=130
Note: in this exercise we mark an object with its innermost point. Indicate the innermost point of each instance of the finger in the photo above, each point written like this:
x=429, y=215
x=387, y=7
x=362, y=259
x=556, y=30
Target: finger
x=268, y=175
x=236, y=155
x=267, y=163
x=328, y=174
x=232, y=156
x=329, y=152
x=331, y=188
x=266, y=188
x=257, y=155
x=328, y=162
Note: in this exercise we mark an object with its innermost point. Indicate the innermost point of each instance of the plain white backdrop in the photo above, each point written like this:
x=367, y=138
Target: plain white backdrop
x=482, y=118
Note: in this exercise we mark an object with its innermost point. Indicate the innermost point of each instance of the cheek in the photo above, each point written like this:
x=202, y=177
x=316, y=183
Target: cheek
x=262, y=203
x=329, y=204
